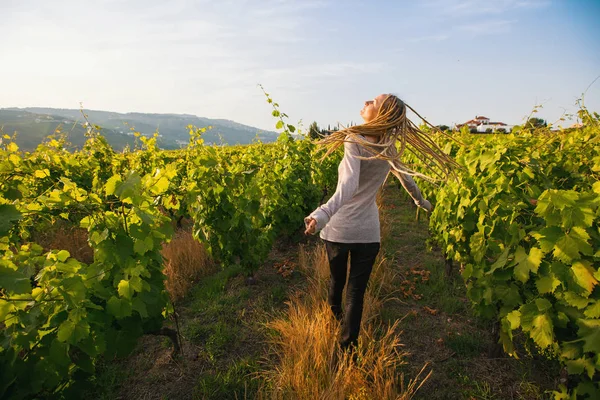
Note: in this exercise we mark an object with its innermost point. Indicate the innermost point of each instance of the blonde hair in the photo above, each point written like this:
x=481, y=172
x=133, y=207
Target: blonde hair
x=391, y=126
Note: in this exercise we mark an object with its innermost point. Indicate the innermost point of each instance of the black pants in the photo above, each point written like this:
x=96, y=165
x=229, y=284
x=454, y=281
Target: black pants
x=362, y=258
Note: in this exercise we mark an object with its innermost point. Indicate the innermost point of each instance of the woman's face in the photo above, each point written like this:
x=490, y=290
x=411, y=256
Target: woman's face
x=371, y=108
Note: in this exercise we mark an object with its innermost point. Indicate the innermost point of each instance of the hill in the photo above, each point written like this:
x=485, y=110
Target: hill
x=33, y=124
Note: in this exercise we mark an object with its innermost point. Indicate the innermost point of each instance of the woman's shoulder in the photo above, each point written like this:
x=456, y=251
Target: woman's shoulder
x=360, y=137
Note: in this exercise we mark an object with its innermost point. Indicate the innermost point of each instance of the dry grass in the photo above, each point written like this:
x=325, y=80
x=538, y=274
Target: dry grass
x=63, y=237
x=311, y=366
x=185, y=261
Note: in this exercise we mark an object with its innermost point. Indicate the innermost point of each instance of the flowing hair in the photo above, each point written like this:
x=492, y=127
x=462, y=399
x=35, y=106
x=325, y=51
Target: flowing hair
x=391, y=126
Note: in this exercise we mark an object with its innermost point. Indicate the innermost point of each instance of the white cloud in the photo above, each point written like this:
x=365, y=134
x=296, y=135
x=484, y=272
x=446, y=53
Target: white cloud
x=324, y=70
x=488, y=27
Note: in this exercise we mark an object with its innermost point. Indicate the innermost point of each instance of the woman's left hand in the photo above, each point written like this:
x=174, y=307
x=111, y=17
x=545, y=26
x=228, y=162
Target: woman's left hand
x=311, y=226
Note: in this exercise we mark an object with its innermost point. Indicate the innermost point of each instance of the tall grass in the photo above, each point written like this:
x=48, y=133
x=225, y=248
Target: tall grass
x=185, y=262
x=311, y=365
x=64, y=237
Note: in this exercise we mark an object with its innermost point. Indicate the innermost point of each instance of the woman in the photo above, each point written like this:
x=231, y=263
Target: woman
x=349, y=221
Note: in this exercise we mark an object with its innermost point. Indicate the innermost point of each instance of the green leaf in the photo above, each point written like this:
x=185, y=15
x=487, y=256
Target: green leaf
x=589, y=331
x=510, y=295
x=84, y=362
x=149, y=243
x=589, y=389
x=542, y=330
x=6, y=307
x=501, y=261
x=561, y=320
x=584, y=275
x=73, y=290
x=547, y=284
x=596, y=187
x=8, y=215
x=575, y=300
x=62, y=255
x=85, y=222
x=128, y=189
x=563, y=394
x=59, y=353
x=120, y=308
x=563, y=198
x=577, y=367
x=12, y=147
x=136, y=283
x=98, y=237
x=528, y=312
x=527, y=263
x=73, y=331
x=514, y=317
x=71, y=266
x=140, y=307
x=566, y=249
x=111, y=184
x=543, y=304
x=41, y=173
x=561, y=271
x=569, y=246
x=125, y=290
x=140, y=247
x=486, y=159
x=161, y=186
x=279, y=125
x=579, y=216
x=592, y=311
x=570, y=350
x=478, y=246
x=548, y=237
x=12, y=281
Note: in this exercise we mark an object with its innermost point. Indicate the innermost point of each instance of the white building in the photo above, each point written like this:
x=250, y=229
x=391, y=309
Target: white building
x=483, y=124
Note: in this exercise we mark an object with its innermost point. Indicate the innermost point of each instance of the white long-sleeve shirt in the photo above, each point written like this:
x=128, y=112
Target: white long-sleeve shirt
x=351, y=214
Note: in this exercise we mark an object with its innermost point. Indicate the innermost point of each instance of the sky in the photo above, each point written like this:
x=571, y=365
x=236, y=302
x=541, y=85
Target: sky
x=319, y=59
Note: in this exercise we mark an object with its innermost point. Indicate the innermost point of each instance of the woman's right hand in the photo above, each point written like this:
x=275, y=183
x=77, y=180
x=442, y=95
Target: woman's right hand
x=311, y=226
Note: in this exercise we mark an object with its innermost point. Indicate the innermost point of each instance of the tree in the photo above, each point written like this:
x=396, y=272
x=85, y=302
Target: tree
x=533, y=123
x=443, y=127
x=313, y=131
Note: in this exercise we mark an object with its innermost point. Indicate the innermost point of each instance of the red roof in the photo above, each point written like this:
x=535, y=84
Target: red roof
x=481, y=117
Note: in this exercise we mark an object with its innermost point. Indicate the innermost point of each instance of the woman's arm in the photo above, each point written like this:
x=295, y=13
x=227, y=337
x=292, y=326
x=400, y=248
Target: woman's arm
x=413, y=190
x=346, y=187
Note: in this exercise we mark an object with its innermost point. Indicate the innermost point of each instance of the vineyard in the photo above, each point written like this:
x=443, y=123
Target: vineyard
x=521, y=220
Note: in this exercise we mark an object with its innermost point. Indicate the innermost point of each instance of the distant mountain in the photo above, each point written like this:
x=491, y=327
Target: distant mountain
x=33, y=124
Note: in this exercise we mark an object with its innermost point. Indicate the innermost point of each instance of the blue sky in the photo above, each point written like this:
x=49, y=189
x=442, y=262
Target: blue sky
x=320, y=59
